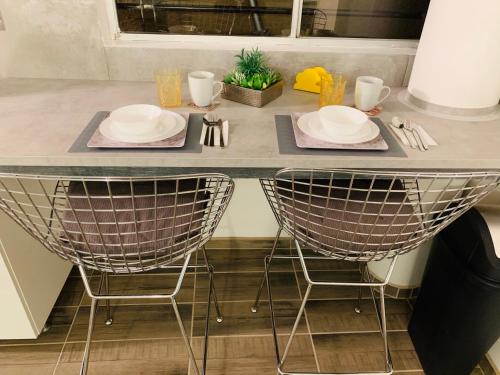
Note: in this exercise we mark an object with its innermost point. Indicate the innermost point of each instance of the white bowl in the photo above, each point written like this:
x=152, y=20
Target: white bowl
x=340, y=120
x=136, y=119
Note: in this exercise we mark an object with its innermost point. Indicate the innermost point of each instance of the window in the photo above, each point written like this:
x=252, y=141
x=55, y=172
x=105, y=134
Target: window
x=382, y=19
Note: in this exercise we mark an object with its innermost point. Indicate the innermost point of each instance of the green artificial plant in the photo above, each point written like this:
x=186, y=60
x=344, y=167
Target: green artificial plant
x=251, y=72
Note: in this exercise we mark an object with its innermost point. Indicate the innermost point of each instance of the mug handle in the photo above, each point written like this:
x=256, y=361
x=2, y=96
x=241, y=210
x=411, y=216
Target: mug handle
x=219, y=90
x=386, y=95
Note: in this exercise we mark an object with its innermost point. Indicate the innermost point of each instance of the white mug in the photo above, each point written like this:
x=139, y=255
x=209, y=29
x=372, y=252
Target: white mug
x=201, y=88
x=367, y=92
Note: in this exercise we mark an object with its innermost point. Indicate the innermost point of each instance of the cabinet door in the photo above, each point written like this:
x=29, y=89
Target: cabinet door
x=31, y=278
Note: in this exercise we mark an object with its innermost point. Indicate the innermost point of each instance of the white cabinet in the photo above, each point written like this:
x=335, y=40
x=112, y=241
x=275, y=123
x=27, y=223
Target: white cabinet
x=30, y=281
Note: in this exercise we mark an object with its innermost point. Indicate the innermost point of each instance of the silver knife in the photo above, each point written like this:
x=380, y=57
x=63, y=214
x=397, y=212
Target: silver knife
x=422, y=138
x=203, y=133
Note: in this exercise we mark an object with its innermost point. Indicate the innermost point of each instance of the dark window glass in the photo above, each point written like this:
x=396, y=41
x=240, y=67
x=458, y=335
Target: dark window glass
x=206, y=17
x=385, y=19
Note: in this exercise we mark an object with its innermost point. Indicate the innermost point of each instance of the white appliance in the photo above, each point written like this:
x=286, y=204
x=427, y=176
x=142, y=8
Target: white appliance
x=457, y=65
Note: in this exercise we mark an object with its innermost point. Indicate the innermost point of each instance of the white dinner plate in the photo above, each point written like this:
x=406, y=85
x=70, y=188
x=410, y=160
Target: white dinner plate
x=310, y=124
x=166, y=129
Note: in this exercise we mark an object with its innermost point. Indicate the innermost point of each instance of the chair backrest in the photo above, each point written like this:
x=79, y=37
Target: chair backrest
x=313, y=20
x=218, y=20
x=118, y=224
x=370, y=215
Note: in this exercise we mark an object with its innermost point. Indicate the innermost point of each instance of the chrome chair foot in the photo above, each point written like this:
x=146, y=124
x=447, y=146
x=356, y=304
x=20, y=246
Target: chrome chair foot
x=211, y=272
x=104, y=290
x=269, y=258
x=362, y=270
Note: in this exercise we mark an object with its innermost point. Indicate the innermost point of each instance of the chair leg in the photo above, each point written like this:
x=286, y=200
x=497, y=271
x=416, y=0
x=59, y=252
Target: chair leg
x=380, y=312
x=85, y=361
x=210, y=271
x=109, y=318
x=295, y=325
x=383, y=326
x=362, y=270
x=262, y=282
x=185, y=337
x=207, y=322
x=271, y=311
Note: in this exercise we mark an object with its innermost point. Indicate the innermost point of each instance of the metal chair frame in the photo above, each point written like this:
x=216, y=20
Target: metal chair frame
x=96, y=297
x=379, y=307
x=156, y=228
x=472, y=188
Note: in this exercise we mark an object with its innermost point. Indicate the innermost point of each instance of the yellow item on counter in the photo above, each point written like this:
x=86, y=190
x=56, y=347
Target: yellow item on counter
x=309, y=79
x=332, y=89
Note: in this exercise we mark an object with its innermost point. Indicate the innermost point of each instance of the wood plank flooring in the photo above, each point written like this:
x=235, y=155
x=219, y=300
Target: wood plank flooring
x=144, y=337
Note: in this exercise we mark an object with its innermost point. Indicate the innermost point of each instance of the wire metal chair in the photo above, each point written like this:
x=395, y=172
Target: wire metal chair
x=122, y=225
x=313, y=20
x=363, y=216
x=194, y=18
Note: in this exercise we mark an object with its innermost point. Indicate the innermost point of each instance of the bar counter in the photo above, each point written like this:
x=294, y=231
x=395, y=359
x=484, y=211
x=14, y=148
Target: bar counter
x=41, y=118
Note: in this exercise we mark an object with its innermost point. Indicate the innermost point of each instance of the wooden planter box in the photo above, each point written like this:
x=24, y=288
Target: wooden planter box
x=255, y=98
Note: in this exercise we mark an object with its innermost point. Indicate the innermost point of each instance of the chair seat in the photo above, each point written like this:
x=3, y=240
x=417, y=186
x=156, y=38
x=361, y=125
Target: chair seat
x=121, y=223
x=352, y=221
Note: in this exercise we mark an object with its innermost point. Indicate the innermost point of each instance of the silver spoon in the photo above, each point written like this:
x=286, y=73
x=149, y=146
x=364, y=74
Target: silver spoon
x=397, y=123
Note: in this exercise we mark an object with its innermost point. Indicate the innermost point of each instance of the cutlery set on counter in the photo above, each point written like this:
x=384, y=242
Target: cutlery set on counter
x=411, y=134
x=215, y=132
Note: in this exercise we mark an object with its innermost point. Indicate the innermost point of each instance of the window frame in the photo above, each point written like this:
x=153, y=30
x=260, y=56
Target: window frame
x=294, y=42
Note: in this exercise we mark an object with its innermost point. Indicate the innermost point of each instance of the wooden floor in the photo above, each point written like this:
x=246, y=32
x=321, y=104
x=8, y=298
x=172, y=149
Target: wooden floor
x=144, y=337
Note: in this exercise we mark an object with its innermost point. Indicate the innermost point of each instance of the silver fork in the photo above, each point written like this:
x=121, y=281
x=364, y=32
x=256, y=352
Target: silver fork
x=421, y=137
x=208, y=120
x=212, y=121
x=421, y=145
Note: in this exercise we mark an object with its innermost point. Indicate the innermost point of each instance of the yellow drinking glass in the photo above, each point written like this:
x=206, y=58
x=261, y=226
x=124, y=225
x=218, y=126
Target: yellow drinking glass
x=332, y=89
x=168, y=84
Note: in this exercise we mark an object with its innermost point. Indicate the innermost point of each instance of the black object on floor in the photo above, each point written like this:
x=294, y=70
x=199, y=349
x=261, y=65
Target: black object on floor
x=456, y=317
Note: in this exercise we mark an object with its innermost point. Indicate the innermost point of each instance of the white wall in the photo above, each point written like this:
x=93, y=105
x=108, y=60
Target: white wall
x=248, y=214
x=53, y=39
x=3, y=52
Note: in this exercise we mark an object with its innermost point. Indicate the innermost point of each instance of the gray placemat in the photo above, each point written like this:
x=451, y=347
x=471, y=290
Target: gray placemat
x=192, y=144
x=287, y=145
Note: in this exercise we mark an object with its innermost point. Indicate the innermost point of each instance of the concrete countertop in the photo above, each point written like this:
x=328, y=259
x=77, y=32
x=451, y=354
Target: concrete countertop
x=40, y=119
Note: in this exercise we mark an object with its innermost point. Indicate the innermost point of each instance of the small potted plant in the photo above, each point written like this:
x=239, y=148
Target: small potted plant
x=252, y=82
